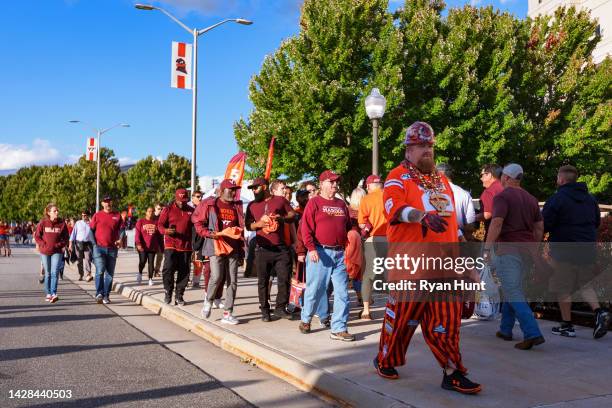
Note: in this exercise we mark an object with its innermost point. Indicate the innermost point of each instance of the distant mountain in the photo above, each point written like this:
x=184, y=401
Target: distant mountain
x=7, y=172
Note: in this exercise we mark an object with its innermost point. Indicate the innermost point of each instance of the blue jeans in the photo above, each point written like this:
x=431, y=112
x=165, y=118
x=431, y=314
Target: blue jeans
x=51, y=264
x=330, y=267
x=510, y=270
x=104, y=259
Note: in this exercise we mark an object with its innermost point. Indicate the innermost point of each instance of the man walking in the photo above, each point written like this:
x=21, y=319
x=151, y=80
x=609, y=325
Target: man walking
x=221, y=223
x=489, y=176
x=159, y=257
x=572, y=215
x=324, y=227
x=371, y=218
x=420, y=210
x=82, y=241
x=266, y=215
x=106, y=225
x=516, y=219
x=176, y=227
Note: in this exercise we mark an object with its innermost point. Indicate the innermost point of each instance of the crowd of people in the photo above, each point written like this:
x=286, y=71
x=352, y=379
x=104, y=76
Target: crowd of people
x=325, y=246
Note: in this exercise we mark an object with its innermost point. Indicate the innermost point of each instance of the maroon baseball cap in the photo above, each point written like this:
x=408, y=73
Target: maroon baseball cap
x=328, y=175
x=181, y=194
x=259, y=181
x=418, y=133
x=372, y=178
x=228, y=183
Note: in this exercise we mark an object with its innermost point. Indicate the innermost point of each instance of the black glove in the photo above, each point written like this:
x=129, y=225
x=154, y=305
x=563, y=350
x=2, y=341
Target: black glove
x=433, y=222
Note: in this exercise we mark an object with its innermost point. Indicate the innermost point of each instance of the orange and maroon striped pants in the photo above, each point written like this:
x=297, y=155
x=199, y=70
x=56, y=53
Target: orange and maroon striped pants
x=439, y=315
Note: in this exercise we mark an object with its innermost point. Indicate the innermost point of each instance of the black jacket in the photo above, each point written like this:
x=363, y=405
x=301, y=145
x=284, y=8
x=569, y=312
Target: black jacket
x=571, y=214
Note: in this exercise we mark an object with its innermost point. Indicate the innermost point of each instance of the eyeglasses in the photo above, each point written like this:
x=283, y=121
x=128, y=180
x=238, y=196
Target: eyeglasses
x=197, y=196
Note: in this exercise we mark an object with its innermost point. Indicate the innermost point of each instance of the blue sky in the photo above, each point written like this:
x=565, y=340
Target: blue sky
x=104, y=62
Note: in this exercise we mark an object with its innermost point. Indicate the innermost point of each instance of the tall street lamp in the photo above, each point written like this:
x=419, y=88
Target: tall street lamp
x=196, y=33
x=375, y=108
x=99, y=132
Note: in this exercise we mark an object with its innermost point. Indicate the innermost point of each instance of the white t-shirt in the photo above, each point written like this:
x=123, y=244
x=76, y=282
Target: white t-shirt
x=464, y=208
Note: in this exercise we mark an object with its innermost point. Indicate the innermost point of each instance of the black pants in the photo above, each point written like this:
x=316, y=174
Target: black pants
x=267, y=260
x=248, y=270
x=148, y=258
x=176, y=261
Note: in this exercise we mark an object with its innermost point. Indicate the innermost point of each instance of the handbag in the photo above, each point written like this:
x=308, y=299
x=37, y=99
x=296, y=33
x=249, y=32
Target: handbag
x=298, y=286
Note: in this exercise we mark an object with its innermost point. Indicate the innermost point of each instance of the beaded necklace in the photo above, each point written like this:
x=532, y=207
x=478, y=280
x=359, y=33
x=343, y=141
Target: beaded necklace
x=431, y=182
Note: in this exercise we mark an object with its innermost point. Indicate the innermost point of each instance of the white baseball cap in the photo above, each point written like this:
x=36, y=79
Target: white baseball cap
x=514, y=171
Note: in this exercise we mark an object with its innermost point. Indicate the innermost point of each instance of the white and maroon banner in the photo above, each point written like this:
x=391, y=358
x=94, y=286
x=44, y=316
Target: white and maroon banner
x=181, y=65
x=91, y=153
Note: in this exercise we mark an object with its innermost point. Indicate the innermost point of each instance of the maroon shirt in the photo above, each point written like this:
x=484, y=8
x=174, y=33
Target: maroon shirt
x=325, y=222
x=147, y=235
x=488, y=194
x=51, y=236
x=106, y=227
x=181, y=219
x=520, y=212
x=256, y=210
x=229, y=218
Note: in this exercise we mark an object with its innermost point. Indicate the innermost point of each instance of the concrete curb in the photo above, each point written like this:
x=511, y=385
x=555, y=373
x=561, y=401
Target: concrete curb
x=327, y=386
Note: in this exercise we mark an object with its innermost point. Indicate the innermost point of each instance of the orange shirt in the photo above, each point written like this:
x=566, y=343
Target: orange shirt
x=372, y=210
x=400, y=191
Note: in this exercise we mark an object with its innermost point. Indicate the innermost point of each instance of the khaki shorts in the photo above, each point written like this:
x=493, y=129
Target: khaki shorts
x=569, y=278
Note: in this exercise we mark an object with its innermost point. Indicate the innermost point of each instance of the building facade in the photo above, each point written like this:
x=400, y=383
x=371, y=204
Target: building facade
x=600, y=9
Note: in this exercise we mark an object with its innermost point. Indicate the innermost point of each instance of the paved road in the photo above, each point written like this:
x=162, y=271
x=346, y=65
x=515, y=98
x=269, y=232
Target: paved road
x=86, y=348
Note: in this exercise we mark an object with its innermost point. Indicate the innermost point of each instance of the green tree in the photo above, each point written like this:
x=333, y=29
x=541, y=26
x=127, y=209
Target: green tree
x=309, y=93
x=495, y=88
x=152, y=180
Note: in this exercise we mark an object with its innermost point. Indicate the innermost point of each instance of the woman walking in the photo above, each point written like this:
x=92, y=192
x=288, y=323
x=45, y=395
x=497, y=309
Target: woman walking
x=148, y=243
x=51, y=237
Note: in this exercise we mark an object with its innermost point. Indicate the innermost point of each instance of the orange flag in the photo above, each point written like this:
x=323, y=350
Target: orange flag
x=270, y=158
x=235, y=170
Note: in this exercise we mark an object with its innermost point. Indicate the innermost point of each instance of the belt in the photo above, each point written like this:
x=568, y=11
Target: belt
x=334, y=247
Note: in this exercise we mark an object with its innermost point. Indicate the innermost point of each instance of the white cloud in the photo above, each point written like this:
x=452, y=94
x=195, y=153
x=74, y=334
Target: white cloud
x=17, y=156
x=123, y=161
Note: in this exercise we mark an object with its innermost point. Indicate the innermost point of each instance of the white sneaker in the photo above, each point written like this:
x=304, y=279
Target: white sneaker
x=150, y=282
x=206, y=310
x=106, y=301
x=48, y=298
x=218, y=304
x=139, y=278
x=229, y=319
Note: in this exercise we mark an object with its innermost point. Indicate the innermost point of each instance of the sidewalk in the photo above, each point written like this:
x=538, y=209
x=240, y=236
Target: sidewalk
x=563, y=372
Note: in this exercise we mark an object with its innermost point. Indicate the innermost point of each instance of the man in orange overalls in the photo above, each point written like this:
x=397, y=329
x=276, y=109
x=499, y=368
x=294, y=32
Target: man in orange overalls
x=419, y=206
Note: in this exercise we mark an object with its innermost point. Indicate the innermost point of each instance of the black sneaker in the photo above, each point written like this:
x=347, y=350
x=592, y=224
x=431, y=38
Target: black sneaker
x=564, y=330
x=389, y=373
x=460, y=383
x=283, y=314
x=265, y=317
x=180, y=302
x=602, y=321
x=167, y=299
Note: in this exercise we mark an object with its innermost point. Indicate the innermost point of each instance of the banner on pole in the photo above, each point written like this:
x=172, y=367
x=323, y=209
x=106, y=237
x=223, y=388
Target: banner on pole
x=181, y=65
x=235, y=171
x=270, y=159
x=91, y=152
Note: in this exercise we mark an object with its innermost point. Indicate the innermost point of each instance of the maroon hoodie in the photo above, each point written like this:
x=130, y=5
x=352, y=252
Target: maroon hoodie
x=147, y=235
x=51, y=236
x=181, y=219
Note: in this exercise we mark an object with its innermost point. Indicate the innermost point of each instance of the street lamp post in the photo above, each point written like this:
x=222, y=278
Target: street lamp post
x=195, y=33
x=375, y=108
x=99, y=133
